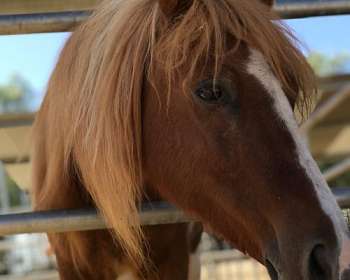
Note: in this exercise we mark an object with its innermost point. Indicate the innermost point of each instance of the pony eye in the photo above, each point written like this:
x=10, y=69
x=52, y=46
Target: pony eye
x=209, y=93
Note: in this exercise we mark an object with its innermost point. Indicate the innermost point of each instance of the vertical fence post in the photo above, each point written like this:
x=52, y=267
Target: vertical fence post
x=4, y=194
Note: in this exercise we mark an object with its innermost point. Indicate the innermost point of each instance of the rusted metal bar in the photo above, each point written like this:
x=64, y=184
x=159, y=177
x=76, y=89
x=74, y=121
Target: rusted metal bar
x=15, y=120
x=290, y=10
x=333, y=83
x=62, y=21
x=16, y=7
x=88, y=219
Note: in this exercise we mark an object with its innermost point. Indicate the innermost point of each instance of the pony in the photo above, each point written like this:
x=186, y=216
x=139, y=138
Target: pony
x=191, y=102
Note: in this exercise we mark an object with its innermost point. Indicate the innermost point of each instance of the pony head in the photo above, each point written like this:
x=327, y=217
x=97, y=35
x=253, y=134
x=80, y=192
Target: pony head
x=193, y=100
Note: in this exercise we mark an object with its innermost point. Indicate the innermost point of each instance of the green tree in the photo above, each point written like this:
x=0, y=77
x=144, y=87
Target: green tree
x=15, y=95
x=328, y=65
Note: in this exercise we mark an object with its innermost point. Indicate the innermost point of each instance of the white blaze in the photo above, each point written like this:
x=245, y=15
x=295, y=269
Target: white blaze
x=258, y=67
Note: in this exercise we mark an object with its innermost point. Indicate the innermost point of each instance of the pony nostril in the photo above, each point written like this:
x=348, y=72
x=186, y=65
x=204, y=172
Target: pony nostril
x=345, y=275
x=320, y=265
x=271, y=270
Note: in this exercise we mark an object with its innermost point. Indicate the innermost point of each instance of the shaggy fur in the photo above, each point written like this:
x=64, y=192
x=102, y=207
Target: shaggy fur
x=88, y=134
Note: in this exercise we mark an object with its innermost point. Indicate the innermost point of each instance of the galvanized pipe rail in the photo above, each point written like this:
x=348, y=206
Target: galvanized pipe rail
x=301, y=10
x=16, y=7
x=41, y=23
x=57, y=221
x=62, y=21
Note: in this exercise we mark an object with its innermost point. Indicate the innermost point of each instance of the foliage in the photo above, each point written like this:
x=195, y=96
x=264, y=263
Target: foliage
x=15, y=95
x=328, y=65
x=14, y=192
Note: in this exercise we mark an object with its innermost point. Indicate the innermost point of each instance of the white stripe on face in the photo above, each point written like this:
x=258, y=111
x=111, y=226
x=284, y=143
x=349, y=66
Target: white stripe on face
x=258, y=67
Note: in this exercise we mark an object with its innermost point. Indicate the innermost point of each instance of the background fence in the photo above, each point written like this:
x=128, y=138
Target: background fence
x=38, y=16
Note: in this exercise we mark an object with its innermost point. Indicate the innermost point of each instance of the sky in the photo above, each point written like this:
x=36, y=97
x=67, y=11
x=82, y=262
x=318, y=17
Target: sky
x=34, y=56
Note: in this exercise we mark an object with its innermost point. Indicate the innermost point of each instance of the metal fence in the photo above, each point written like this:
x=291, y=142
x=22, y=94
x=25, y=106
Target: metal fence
x=89, y=219
x=40, y=16
x=63, y=16
x=32, y=16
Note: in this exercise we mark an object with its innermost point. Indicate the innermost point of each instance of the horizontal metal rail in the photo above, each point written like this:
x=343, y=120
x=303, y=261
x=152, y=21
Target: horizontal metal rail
x=36, y=275
x=58, y=221
x=16, y=119
x=307, y=9
x=15, y=159
x=41, y=23
x=333, y=82
x=16, y=7
x=82, y=220
x=66, y=21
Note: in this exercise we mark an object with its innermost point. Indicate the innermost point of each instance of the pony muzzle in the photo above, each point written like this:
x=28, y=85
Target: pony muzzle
x=316, y=254
x=318, y=263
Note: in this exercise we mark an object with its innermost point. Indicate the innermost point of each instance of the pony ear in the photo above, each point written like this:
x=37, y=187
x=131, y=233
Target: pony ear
x=172, y=8
x=269, y=3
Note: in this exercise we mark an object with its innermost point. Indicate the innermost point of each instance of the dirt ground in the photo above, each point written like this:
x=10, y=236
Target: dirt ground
x=238, y=270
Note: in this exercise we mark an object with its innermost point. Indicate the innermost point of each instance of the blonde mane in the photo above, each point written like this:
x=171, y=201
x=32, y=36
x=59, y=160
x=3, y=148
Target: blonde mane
x=94, y=96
